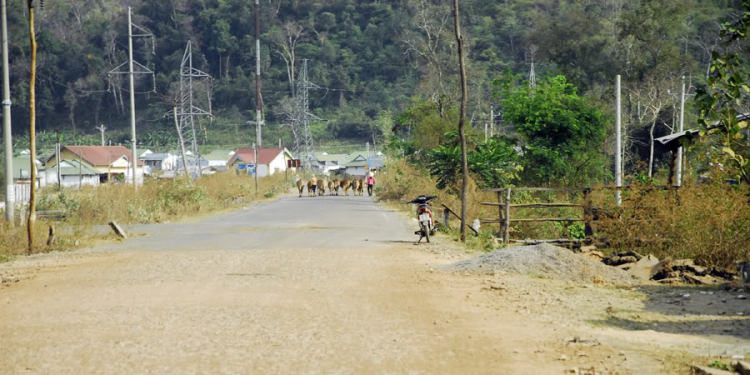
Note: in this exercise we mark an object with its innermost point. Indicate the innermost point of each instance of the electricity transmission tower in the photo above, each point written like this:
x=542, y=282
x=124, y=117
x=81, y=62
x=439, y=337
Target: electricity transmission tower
x=131, y=72
x=188, y=110
x=303, y=141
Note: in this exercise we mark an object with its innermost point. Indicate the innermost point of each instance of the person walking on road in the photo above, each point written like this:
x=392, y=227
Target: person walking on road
x=370, y=182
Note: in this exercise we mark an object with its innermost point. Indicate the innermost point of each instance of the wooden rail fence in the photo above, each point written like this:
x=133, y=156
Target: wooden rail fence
x=504, y=205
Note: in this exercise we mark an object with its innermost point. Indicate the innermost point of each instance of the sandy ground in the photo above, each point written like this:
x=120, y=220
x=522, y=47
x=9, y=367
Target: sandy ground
x=333, y=285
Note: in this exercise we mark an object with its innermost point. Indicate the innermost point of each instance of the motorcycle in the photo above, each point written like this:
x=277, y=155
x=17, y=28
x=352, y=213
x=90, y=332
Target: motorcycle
x=424, y=216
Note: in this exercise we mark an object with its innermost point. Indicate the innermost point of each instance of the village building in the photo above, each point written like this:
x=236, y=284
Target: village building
x=270, y=160
x=73, y=174
x=219, y=158
x=110, y=162
x=357, y=166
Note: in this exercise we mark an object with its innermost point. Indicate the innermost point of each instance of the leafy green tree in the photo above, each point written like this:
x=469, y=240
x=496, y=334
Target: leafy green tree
x=724, y=100
x=493, y=164
x=562, y=134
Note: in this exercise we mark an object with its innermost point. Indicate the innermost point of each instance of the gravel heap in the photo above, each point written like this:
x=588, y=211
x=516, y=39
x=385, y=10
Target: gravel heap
x=543, y=260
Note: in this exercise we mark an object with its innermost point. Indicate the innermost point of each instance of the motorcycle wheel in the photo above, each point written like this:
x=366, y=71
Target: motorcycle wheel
x=425, y=232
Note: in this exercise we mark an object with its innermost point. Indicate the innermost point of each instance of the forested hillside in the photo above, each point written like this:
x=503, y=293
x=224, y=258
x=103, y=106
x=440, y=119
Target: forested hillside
x=369, y=58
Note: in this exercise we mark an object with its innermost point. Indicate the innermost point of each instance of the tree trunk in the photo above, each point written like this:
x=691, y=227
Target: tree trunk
x=461, y=122
x=32, y=127
x=651, y=153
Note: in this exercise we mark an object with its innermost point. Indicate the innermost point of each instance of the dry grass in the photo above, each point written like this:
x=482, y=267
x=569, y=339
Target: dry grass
x=156, y=201
x=709, y=223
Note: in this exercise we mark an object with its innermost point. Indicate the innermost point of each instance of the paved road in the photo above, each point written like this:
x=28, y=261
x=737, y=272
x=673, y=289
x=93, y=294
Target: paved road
x=298, y=285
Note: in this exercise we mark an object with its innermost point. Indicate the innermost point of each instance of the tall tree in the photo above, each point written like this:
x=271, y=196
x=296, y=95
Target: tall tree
x=32, y=126
x=462, y=119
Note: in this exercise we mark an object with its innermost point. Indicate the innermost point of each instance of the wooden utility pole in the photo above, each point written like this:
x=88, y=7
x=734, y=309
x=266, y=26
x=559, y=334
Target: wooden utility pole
x=462, y=121
x=32, y=126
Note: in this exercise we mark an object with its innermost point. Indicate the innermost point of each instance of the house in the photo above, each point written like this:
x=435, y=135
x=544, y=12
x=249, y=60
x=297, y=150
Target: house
x=331, y=163
x=357, y=166
x=375, y=163
x=22, y=170
x=154, y=162
x=270, y=160
x=73, y=173
x=192, y=161
x=109, y=161
x=219, y=158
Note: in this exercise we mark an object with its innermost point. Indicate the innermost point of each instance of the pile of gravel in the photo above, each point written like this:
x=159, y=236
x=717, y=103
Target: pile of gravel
x=543, y=260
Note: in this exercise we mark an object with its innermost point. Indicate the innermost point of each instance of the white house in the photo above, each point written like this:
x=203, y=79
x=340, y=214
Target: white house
x=270, y=160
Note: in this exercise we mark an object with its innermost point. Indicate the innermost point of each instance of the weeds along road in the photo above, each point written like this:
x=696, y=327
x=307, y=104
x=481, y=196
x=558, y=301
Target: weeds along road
x=298, y=285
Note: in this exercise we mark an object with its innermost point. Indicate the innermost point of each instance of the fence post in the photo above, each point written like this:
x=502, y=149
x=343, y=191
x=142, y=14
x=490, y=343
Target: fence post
x=501, y=221
x=506, y=235
x=588, y=212
x=446, y=217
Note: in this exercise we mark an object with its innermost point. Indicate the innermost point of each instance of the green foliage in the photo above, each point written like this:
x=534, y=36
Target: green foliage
x=718, y=364
x=493, y=164
x=561, y=132
x=725, y=96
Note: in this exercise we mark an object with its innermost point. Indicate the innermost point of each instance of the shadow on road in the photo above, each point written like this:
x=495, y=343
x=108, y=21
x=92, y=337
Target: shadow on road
x=687, y=310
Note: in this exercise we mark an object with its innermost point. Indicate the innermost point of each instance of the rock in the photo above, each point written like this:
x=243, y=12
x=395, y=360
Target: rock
x=671, y=280
x=682, y=264
x=625, y=266
x=612, y=260
x=628, y=259
x=699, y=280
x=703, y=370
x=563, y=358
x=645, y=268
x=588, y=249
x=743, y=367
x=595, y=255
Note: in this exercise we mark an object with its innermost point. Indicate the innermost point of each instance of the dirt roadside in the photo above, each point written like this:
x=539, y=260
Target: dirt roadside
x=263, y=291
x=303, y=311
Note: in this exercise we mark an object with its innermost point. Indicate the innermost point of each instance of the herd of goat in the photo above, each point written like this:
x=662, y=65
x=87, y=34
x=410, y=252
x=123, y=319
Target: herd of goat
x=320, y=186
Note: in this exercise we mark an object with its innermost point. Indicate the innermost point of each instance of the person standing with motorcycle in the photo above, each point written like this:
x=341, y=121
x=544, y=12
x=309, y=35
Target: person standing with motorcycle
x=370, y=182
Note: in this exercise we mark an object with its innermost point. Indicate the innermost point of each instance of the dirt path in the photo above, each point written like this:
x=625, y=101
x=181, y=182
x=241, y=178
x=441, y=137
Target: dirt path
x=299, y=286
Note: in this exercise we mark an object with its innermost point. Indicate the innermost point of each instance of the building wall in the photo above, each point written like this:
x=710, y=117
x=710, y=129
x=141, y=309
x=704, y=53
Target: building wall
x=356, y=171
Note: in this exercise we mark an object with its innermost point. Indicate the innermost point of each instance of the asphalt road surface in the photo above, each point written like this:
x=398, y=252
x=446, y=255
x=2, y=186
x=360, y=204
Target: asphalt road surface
x=294, y=286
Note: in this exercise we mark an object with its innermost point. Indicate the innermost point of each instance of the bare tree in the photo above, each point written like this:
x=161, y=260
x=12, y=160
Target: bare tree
x=286, y=39
x=430, y=45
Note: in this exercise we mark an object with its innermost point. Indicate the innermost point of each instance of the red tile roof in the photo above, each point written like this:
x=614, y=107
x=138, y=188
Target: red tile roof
x=101, y=155
x=265, y=155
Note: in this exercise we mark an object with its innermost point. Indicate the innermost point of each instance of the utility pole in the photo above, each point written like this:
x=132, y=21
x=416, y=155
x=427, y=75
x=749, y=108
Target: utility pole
x=9, y=189
x=255, y=149
x=492, y=122
x=133, y=163
x=102, y=128
x=682, y=124
x=57, y=162
x=303, y=141
x=134, y=157
x=618, y=143
x=258, y=105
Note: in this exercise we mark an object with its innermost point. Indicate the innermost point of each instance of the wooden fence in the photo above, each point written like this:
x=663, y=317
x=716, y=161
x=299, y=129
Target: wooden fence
x=504, y=205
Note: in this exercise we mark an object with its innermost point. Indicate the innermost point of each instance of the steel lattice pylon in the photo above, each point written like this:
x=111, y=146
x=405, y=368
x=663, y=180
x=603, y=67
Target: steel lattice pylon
x=303, y=141
x=188, y=109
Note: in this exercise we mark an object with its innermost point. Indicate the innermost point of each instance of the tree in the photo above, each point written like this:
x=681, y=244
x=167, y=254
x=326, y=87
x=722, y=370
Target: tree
x=286, y=38
x=724, y=100
x=462, y=119
x=562, y=134
x=493, y=164
x=32, y=126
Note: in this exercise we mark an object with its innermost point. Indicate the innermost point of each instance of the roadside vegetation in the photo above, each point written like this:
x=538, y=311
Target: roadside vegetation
x=157, y=201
